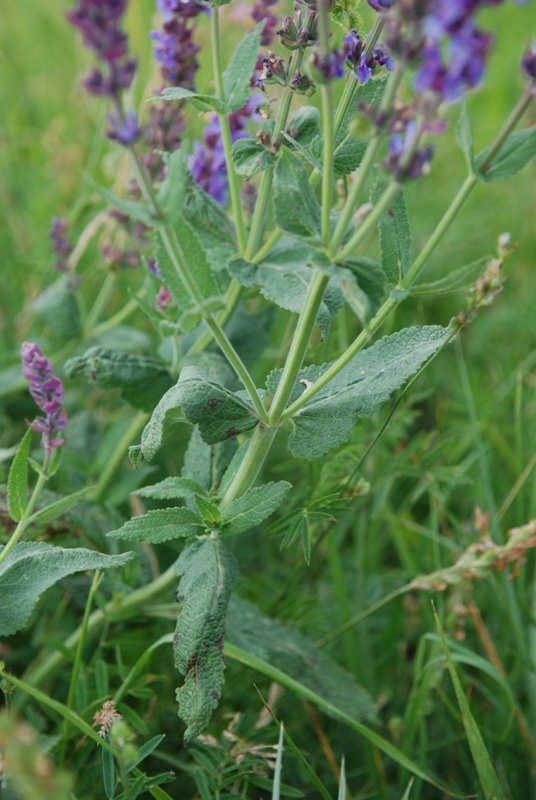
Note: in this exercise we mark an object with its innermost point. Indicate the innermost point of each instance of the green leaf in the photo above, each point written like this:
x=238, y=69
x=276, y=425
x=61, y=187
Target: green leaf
x=295, y=205
x=359, y=389
x=296, y=145
x=345, y=13
x=32, y=567
x=142, y=380
x=209, y=512
x=208, y=573
x=237, y=76
x=284, y=280
x=484, y=766
x=253, y=507
x=395, y=234
x=215, y=230
x=516, y=152
x=59, y=311
x=17, y=482
x=196, y=262
x=249, y=158
x=55, y=510
x=458, y=280
x=160, y=526
x=370, y=278
x=202, y=102
x=171, y=193
x=205, y=463
x=108, y=771
x=303, y=125
x=219, y=413
x=138, y=211
x=349, y=150
x=292, y=653
x=171, y=489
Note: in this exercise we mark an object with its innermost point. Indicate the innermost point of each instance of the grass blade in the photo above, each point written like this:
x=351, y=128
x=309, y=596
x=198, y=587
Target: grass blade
x=484, y=767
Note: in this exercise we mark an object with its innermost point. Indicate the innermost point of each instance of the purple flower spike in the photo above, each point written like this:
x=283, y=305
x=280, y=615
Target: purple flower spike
x=60, y=243
x=98, y=21
x=47, y=391
x=125, y=131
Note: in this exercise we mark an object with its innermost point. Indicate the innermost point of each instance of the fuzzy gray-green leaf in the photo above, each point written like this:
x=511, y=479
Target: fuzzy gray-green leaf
x=219, y=413
x=141, y=379
x=516, y=152
x=32, y=567
x=292, y=653
x=171, y=488
x=286, y=284
x=208, y=572
x=295, y=205
x=253, y=507
x=359, y=389
x=249, y=158
x=237, y=76
x=395, y=234
x=161, y=525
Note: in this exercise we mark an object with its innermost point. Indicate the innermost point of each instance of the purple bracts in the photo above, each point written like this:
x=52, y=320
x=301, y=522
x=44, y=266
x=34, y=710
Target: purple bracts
x=47, y=391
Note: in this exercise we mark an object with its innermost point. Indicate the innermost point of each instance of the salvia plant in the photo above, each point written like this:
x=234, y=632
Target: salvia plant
x=261, y=182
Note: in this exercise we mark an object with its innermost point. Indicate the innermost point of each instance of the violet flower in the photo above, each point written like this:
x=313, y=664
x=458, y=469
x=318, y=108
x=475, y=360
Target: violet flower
x=47, y=391
x=99, y=23
x=366, y=64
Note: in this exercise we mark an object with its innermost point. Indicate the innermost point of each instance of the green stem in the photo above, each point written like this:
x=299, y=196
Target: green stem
x=261, y=206
x=300, y=343
x=232, y=296
x=119, y=317
x=234, y=188
x=236, y=362
x=511, y=121
x=329, y=148
x=370, y=221
x=25, y=521
x=258, y=449
x=136, y=426
x=97, y=577
x=366, y=165
x=100, y=303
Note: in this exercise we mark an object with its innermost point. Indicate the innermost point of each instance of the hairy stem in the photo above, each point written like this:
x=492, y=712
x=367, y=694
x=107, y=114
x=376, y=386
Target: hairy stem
x=234, y=188
x=261, y=207
x=25, y=521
